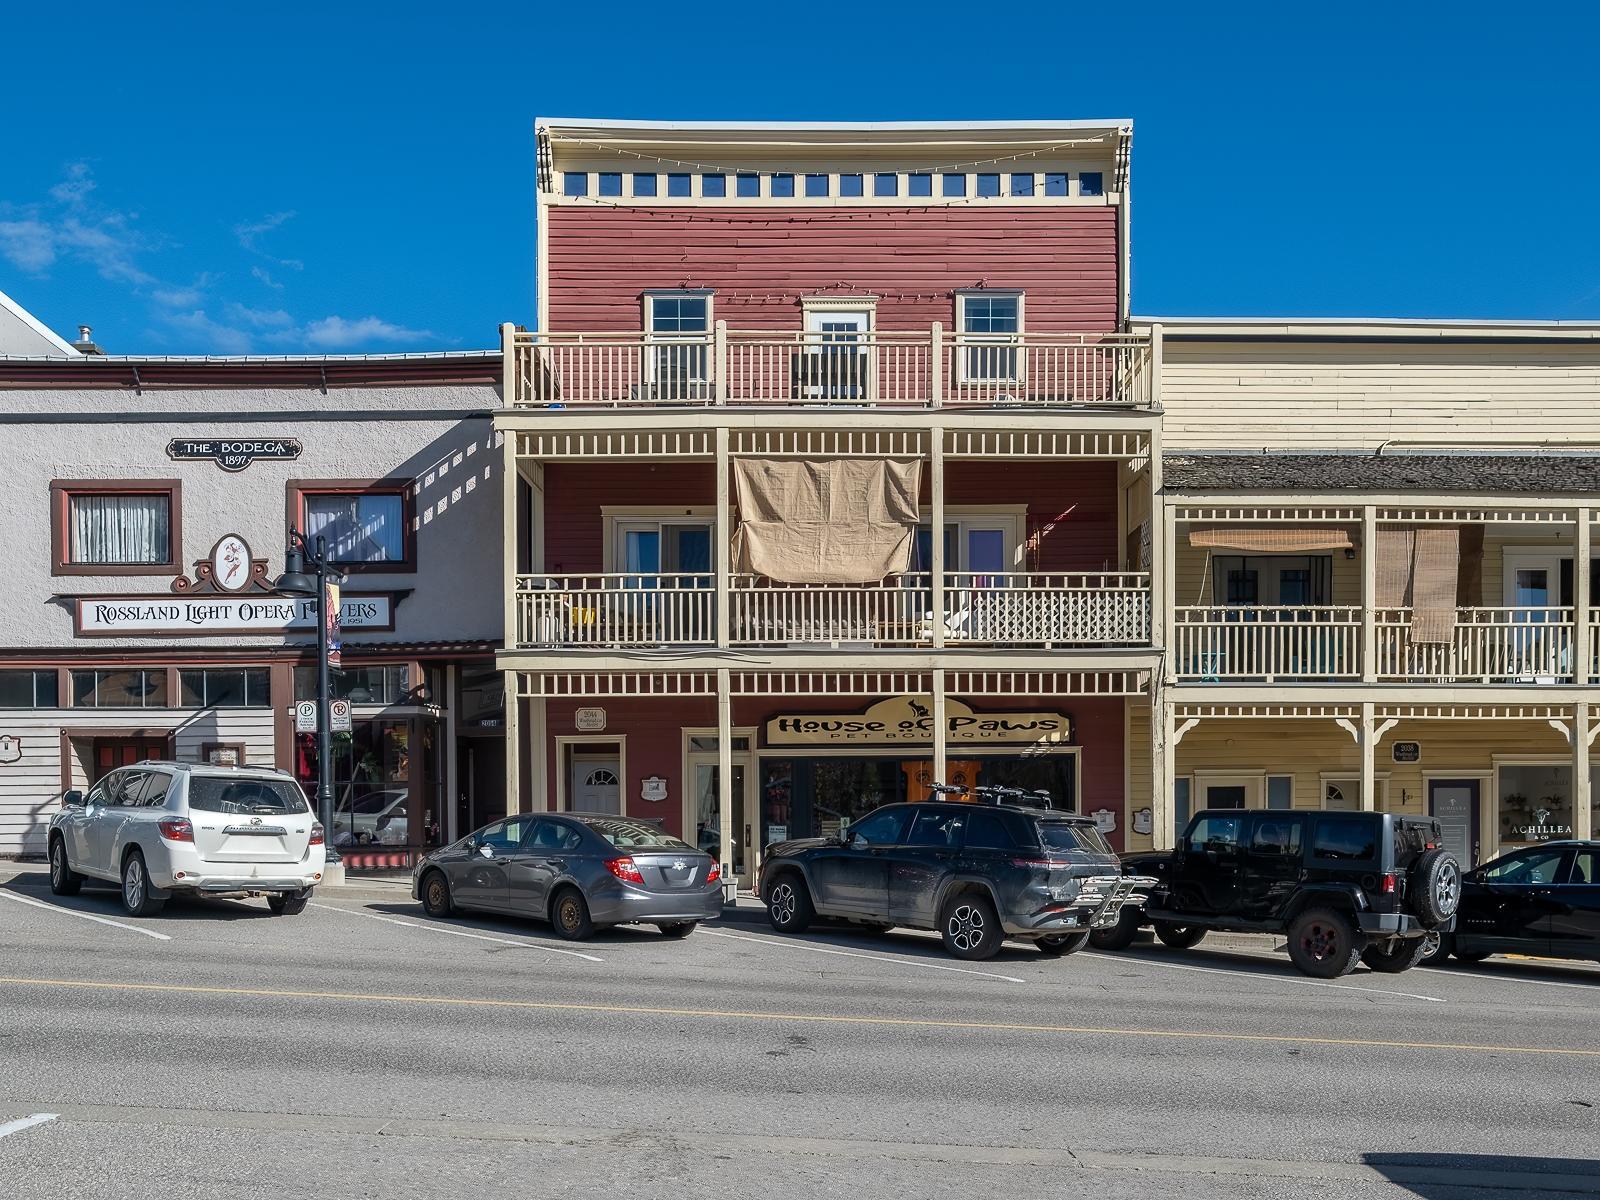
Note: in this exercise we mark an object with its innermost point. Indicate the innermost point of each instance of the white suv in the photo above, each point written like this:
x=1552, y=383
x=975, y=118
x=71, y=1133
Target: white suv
x=160, y=828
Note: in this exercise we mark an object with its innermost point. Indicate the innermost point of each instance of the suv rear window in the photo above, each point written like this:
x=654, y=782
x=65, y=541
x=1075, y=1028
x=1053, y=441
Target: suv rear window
x=631, y=835
x=257, y=797
x=1345, y=838
x=1071, y=835
x=986, y=831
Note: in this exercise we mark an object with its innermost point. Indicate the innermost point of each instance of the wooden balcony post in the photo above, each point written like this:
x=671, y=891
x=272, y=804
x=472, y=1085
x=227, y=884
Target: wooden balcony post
x=509, y=392
x=1582, y=794
x=1582, y=635
x=719, y=364
x=512, y=634
x=936, y=461
x=721, y=553
x=513, y=702
x=1154, y=389
x=725, y=770
x=1369, y=593
x=940, y=732
x=1163, y=767
x=1168, y=594
x=936, y=366
x=1369, y=801
x=1160, y=564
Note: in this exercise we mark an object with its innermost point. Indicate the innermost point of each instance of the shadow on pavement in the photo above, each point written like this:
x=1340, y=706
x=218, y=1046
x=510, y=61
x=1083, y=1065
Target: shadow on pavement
x=1450, y=1176
x=103, y=899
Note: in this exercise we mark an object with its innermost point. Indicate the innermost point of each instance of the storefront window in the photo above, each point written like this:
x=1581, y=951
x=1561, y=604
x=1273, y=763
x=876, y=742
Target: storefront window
x=371, y=782
x=223, y=689
x=119, y=689
x=483, y=697
x=1535, y=802
x=359, y=685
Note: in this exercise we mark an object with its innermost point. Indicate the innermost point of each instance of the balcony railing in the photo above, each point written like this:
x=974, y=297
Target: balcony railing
x=1269, y=644
x=877, y=369
x=1488, y=645
x=670, y=610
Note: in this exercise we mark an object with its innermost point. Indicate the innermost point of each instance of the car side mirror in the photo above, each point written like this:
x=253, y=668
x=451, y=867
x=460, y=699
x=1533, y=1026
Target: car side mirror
x=72, y=799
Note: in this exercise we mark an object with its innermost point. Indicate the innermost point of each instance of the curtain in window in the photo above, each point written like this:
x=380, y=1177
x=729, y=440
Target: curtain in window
x=359, y=529
x=119, y=529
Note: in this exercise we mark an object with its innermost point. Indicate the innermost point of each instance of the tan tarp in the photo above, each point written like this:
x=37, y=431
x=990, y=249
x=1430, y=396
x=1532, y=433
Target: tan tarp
x=1272, y=540
x=1435, y=570
x=845, y=520
x=1392, y=565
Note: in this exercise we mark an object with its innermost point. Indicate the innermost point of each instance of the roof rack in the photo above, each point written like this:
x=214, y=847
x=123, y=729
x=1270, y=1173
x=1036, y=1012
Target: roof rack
x=996, y=794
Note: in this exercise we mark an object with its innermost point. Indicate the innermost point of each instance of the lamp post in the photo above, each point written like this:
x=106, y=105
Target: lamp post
x=297, y=583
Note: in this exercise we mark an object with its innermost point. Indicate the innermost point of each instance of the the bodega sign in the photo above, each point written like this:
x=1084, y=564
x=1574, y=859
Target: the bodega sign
x=112, y=616
x=232, y=454
x=908, y=720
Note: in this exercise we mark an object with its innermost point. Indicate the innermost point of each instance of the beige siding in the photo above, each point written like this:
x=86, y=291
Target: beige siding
x=30, y=789
x=1140, y=781
x=1340, y=395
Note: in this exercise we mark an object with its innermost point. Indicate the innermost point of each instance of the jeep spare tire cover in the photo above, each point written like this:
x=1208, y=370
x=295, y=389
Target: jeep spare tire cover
x=1436, y=884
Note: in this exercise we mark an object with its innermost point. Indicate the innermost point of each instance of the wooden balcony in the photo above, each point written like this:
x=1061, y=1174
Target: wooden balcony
x=1051, y=611
x=1270, y=645
x=881, y=369
x=1489, y=645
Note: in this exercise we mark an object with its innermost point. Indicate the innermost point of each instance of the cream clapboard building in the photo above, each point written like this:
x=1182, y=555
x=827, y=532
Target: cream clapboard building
x=1381, y=590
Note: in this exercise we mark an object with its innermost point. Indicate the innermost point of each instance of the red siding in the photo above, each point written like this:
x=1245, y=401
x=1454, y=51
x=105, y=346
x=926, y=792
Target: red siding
x=654, y=731
x=601, y=259
x=1072, y=506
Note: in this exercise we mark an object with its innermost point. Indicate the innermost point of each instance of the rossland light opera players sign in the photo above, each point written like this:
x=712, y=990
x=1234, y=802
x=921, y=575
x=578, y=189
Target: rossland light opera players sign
x=908, y=720
x=108, y=616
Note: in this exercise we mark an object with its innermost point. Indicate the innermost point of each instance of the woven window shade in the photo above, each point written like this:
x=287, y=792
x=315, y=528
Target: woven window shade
x=1272, y=540
x=1434, y=573
x=1392, y=566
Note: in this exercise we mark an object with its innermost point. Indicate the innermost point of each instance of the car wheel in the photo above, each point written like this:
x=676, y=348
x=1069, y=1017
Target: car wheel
x=136, y=897
x=1121, y=935
x=64, y=881
x=678, y=929
x=1062, y=943
x=1439, y=948
x=288, y=906
x=970, y=927
x=1399, y=954
x=1325, y=943
x=436, y=900
x=1436, y=884
x=789, y=904
x=1179, y=937
x=569, y=913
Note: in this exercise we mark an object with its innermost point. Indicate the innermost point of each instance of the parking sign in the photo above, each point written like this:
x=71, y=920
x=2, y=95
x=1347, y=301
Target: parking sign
x=339, y=716
x=305, y=716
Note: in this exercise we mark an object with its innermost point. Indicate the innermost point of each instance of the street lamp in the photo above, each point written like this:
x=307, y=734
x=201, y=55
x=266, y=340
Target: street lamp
x=297, y=583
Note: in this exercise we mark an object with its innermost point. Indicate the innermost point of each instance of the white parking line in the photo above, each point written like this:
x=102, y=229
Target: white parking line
x=72, y=912
x=885, y=958
x=1448, y=971
x=482, y=937
x=1343, y=987
x=22, y=1123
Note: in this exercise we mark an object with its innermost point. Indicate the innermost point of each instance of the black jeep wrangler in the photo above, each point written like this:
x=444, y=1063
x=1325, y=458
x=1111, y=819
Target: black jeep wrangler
x=1345, y=887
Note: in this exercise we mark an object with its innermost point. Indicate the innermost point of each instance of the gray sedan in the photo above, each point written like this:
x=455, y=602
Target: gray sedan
x=579, y=871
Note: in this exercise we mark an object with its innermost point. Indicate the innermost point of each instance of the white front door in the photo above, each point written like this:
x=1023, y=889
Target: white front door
x=836, y=359
x=596, y=784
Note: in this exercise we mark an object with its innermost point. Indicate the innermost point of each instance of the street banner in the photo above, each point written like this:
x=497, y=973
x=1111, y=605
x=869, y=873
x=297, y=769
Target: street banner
x=330, y=614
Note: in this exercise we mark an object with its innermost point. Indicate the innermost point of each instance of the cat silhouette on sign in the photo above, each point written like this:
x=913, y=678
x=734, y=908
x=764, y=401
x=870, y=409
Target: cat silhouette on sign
x=918, y=708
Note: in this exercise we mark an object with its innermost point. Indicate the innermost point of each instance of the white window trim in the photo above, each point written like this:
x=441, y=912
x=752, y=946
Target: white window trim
x=615, y=520
x=1516, y=558
x=1254, y=783
x=964, y=339
x=652, y=338
x=745, y=757
x=1380, y=785
x=1012, y=517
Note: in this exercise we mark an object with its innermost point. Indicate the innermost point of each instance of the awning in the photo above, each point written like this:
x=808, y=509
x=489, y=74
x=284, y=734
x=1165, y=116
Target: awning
x=1434, y=573
x=1271, y=540
x=846, y=520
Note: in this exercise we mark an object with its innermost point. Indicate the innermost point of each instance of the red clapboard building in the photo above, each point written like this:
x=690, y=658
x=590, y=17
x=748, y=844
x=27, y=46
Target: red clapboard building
x=829, y=475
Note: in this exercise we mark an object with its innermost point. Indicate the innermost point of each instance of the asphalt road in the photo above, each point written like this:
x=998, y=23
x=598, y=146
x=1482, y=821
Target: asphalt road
x=361, y=1050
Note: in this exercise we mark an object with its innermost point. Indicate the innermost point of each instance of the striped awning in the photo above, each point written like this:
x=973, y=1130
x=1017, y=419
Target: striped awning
x=1271, y=540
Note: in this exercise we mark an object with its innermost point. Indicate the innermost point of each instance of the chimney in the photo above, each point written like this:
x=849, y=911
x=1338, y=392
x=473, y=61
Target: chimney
x=85, y=343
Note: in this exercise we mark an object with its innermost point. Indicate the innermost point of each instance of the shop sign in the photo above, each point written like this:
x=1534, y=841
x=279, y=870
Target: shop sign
x=1407, y=752
x=776, y=834
x=1541, y=830
x=232, y=454
x=904, y=720
x=590, y=720
x=1144, y=821
x=122, y=616
x=653, y=788
x=10, y=750
x=1105, y=820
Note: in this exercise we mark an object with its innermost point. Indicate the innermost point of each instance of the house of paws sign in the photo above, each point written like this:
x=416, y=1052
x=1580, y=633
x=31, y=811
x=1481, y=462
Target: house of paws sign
x=909, y=719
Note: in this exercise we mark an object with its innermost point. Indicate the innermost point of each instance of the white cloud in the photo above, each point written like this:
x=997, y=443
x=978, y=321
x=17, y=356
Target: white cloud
x=337, y=333
x=249, y=232
x=202, y=334
x=73, y=191
x=258, y=318
x=28, y=244
x=262, y=274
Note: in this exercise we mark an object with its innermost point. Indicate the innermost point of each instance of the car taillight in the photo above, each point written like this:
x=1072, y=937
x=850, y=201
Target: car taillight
x=1389, y=884
x=176, y=829
x=624, y=869
x=1045, y=863
x=715, y=873
x=316, y=833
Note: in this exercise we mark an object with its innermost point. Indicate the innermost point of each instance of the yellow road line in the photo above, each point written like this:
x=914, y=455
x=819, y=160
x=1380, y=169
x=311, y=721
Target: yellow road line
x=820, y=1018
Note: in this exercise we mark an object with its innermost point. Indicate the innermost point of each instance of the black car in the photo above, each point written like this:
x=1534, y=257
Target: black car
x=1344, y=887
x=1543, y=900
x=977, y=872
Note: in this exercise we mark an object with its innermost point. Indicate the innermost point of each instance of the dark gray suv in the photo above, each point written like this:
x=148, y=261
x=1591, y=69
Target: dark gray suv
x=977, y=873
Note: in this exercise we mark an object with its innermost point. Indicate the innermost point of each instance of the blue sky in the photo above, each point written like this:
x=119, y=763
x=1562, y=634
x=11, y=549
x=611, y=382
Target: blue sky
x=194, y=178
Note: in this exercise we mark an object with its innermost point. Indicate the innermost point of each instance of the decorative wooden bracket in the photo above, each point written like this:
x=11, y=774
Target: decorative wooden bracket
x=1177, y=734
